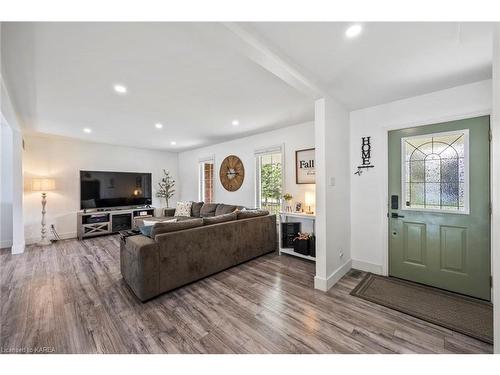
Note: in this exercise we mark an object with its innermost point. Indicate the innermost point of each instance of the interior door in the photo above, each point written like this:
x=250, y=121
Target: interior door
x=439, y=205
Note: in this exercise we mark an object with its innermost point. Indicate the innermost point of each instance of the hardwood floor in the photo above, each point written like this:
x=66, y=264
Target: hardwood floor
x=70, y=298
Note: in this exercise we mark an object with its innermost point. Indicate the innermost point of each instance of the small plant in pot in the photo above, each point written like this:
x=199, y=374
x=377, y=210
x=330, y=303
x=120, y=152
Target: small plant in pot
x=288, y=199
x=301, y=243
x=166, y=187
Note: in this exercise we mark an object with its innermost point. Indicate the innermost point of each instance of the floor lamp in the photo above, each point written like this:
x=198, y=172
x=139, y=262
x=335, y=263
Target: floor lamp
x=43, y=185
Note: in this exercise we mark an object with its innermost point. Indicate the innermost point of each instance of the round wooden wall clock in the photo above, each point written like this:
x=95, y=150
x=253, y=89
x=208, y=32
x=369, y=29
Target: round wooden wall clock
x=232, y=173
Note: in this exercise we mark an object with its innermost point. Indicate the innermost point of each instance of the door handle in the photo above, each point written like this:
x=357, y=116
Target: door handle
x=395, y=215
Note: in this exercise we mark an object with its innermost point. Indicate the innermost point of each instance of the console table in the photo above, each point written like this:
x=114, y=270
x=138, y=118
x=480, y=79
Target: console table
x=98, y=222
x=299, y=216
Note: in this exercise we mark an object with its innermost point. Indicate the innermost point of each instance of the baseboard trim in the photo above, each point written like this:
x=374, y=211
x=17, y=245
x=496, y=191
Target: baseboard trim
x=367, y=267
x=18, y=248
x=325, y=284
x=4, y=244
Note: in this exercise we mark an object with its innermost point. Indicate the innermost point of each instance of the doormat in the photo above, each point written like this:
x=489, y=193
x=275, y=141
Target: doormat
x=466, y=315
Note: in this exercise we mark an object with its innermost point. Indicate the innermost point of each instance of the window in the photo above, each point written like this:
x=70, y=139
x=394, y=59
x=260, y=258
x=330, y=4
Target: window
x=435, y=171
x=269, y=179
x=206, y=189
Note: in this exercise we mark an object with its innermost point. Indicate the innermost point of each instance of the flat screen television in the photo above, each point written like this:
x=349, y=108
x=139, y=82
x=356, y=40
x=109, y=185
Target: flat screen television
x=114, y=189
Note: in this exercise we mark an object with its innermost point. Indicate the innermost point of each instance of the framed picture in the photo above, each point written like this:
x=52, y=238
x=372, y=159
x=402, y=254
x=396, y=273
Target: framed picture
x=305, y=171
x=298, y=207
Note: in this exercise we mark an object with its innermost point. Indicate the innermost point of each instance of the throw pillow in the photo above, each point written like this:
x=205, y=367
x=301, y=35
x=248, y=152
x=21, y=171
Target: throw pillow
x=208, y=209
x=146, y=230
x=196, y=208
x=161, y=228
x=220, y=219
x=183, y=209
x=148, y=223
x=247, y=214
x=224, y=209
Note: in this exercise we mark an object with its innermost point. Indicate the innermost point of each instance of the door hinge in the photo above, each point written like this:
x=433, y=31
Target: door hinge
x=491, y=208
x=491, y=281
x=490, y=135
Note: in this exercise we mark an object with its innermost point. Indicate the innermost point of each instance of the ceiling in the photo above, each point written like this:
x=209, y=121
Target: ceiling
x=389, y=60
x=190, y=78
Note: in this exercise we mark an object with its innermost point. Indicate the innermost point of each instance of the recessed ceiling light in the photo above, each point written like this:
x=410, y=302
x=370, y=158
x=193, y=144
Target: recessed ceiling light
x=158, y=125
x=353, y=31
x=87, y=130
x=173, y=143
x=235, y=122
x=120, y=89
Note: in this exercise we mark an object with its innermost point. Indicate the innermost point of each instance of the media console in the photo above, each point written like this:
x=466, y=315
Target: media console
x=108, y=221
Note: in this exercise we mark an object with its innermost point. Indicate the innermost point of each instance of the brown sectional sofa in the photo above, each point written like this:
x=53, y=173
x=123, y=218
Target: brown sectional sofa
x=199, y=247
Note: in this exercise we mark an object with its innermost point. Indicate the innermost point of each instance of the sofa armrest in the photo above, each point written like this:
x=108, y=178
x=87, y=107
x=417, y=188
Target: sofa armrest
x=169, y=212
x=140, y=265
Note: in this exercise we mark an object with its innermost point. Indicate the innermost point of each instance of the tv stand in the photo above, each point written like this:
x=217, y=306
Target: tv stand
x=108, y=221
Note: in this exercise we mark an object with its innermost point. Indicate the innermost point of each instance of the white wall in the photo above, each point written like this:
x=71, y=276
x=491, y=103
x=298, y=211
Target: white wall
x=5, y=186
x=333, y=259
x=293, y=137
x=369, y=191
x=9, y=119
x=62, y=159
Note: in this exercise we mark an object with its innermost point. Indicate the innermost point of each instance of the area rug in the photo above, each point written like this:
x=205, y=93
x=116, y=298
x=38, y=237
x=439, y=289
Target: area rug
x=466, y=315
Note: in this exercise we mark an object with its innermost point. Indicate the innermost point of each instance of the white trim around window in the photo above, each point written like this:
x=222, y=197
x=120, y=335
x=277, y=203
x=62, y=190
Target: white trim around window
x=257, y=155
x=201, y=177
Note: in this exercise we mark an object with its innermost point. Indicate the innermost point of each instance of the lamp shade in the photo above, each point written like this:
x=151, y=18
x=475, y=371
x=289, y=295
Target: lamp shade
x=43, y=184
x=309, y=198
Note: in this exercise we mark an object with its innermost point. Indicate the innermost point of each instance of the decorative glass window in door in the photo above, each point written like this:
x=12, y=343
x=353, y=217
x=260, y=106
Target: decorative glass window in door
x=435, y=171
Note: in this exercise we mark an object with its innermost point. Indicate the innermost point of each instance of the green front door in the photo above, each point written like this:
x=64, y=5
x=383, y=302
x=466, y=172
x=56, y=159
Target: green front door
x=439, y=205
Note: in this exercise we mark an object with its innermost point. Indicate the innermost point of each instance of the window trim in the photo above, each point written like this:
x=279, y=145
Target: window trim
x=265, y=151
x=201, y=187
x=466, y=210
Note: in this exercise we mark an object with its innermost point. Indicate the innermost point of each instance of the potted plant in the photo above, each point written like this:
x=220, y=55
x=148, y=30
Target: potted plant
x=301, y=243
x=288, y=198
x=166, y=187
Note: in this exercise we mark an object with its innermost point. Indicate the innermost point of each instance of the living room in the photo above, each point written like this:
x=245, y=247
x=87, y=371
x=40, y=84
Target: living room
x=236, y=187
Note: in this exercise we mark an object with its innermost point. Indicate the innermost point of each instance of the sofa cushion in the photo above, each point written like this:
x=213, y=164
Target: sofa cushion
x=220, y=218
x=246, y=214
x=183, y=209
x=161, y=228
x=224, y=209
x=196, y=208
x=184, y=218
x=208, y=209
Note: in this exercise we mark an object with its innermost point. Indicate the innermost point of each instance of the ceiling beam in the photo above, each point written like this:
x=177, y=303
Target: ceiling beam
x=247, y=42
